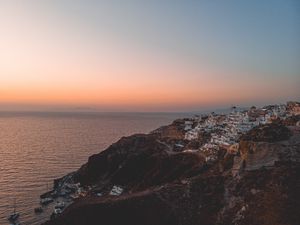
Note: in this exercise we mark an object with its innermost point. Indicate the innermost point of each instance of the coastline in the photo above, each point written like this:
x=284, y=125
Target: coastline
x=139, y=169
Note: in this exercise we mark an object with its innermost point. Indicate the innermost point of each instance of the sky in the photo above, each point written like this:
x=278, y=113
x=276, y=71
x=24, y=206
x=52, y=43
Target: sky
x=138, y=55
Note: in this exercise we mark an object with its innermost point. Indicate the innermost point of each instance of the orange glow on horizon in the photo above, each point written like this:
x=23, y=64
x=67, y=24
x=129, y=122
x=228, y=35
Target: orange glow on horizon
x=117, y=94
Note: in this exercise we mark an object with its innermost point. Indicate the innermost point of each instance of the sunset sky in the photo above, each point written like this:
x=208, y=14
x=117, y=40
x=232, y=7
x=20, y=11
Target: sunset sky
x=159, y=55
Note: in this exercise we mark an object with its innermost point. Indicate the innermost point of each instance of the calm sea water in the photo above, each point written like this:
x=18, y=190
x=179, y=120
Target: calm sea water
x=36, y=148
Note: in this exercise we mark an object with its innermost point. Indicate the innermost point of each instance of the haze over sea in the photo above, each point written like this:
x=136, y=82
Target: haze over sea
x=37, y=147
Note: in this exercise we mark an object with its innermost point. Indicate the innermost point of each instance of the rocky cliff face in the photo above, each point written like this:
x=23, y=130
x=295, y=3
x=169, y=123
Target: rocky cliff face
x=141, y=161
x=257, y=185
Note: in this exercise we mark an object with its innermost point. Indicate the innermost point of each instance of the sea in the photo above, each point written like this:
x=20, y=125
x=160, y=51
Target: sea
x=38, y=147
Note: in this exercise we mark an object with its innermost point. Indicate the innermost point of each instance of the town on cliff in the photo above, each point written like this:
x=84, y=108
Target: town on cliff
x=225, y=130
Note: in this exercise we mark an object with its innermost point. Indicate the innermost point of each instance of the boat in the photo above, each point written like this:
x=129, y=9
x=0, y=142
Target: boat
x=14, y=216
x=38, y=210
x=45, y=201
x=57, y=211
x=99, y=194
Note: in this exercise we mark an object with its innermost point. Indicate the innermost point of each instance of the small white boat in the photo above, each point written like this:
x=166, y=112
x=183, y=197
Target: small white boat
x=57, y=211
x=98, y=194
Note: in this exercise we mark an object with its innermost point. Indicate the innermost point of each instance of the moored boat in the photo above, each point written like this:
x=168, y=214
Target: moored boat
x=57, y=211
x=14, y=216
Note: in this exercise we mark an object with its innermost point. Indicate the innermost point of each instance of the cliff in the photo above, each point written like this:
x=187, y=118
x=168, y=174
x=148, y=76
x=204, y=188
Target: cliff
x=164, y=182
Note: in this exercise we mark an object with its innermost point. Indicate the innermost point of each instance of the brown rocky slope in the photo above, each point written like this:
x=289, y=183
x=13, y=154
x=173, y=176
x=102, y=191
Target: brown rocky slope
x=258, y=185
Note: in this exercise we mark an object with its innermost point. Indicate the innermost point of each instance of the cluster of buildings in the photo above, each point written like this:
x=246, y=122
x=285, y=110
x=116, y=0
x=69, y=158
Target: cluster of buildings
x=226, y=129
x=66, y=191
